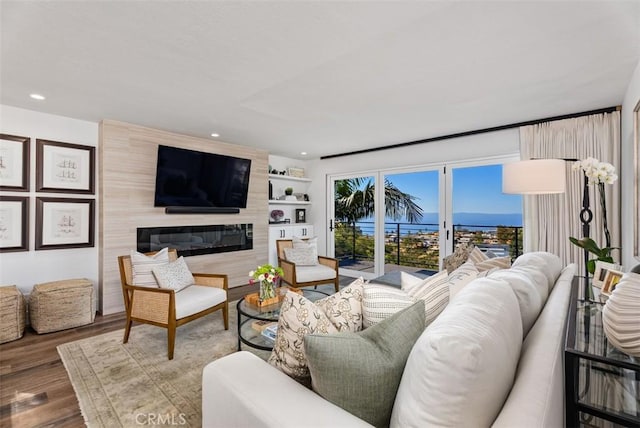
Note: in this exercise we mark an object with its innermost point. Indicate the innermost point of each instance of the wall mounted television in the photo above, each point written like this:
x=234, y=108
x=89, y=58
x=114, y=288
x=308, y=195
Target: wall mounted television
x=189, y=178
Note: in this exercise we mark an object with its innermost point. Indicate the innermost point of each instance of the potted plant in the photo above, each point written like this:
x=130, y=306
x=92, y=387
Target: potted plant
x=288, y=191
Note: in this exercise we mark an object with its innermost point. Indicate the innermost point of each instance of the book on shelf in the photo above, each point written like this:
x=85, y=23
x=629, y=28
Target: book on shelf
x=270, y=332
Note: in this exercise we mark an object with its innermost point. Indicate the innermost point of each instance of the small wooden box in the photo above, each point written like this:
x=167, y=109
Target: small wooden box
x=254, y=298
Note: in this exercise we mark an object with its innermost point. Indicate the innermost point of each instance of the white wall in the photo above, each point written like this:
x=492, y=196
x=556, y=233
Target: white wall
x=632, y=97
x=453, y=150
x=25, y=269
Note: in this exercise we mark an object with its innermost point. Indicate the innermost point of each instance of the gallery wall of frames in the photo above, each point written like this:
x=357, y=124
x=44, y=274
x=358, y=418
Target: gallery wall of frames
x=64, y=168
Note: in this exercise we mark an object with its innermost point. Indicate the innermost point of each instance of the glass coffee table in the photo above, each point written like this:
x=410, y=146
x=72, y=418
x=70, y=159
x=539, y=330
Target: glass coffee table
x=249, y=334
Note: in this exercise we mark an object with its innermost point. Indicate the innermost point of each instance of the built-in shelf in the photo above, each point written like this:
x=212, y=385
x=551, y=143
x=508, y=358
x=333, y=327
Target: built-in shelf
x=288, y=178
x=279, y=202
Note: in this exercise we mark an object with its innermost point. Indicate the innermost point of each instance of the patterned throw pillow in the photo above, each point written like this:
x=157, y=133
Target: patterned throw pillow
x=476, y=255
x=305, y=243
x=497, y=262
x=344, y=309
x=434, y=292
x=142, y=267
x=360, y=372
x=304, y=256
x=459, y=256
x=381, y=301
x=298, y=317
x=174, y=275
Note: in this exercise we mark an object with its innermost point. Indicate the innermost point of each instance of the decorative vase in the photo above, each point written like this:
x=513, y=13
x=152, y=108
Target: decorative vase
x=621, y=315
x=267, y=290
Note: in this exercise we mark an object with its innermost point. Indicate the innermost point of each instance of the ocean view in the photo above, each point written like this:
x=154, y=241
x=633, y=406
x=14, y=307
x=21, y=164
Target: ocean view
x=429, y=223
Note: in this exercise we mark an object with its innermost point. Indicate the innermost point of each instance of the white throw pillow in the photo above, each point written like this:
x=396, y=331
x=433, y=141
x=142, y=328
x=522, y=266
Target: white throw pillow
x=305, y=243
x=476, y=255
x=408, y=281
x=496, y=262
x=462, y=367
x=529, y=299
x=142, y=267
x=434, y=292
x=379, y=302
x=460, y=277
x=302, y=256
x=547, y=263
x=174, y=275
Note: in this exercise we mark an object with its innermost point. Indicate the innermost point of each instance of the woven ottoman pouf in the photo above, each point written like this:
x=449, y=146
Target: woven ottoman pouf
x=60, y=305
x=12, y=316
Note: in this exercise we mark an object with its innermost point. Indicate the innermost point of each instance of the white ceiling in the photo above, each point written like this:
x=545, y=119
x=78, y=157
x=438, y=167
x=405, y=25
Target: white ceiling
x=323, y=77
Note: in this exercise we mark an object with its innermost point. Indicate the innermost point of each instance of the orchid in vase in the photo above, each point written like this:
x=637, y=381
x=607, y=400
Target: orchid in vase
x=597, y=173
x=268, y=276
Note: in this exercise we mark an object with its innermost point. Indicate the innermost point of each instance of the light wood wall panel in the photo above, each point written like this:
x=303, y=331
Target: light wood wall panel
x=128, y=155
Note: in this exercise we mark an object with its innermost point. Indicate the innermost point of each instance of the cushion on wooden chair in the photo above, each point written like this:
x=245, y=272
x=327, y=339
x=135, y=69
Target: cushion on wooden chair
x=196, y=298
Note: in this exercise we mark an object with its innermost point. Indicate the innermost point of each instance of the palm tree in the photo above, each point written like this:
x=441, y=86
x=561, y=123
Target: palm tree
x=355, y=201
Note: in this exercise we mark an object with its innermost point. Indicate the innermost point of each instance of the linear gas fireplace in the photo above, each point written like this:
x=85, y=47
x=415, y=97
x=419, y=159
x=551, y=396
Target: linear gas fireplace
x=196, y=240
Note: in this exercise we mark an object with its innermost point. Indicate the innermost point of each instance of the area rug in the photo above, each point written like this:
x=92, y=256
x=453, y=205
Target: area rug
x=134, y=384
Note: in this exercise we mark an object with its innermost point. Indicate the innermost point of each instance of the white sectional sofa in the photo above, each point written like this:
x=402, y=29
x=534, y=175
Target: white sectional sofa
x=493, y=357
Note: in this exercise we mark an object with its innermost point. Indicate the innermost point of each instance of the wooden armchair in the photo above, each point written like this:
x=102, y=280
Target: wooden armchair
x=166, y=308
x=302, y=276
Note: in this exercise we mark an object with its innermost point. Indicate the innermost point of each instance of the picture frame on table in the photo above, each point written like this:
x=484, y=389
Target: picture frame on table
x=14, y=224
x=64, y=223
x=14, y=163
x=612, y=278
x=601, y=270
x=65, y=167
x=636, y=184
x=301, y=215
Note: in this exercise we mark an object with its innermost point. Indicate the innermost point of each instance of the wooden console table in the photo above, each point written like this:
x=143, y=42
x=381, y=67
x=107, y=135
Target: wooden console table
x=602, y=384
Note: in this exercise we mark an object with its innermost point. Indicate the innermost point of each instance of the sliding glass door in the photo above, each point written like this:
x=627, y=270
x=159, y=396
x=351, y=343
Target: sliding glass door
x=352, y=224
x=418, y=216
x=481, y=214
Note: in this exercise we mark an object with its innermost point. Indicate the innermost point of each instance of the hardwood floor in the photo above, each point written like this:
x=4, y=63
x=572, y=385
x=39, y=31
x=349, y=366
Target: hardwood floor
x=35, y=390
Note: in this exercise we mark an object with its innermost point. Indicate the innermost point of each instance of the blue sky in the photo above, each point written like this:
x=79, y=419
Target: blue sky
x=475, y=189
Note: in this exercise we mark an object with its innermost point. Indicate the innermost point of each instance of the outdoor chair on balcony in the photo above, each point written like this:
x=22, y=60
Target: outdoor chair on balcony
x=168, y=308
x=303, y=267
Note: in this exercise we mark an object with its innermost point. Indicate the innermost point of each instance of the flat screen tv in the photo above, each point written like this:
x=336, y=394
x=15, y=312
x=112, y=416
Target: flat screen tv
x=189, y=178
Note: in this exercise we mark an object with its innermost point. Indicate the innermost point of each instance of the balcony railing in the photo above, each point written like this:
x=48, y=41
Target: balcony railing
x=416, y=245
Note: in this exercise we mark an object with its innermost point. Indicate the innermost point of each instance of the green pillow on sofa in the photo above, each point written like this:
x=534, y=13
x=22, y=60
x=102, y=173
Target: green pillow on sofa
x=360, y=372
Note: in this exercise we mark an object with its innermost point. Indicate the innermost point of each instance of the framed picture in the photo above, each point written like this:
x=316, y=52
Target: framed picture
x=14, y=223
x=64, y=167
x=636, y=185
x=301, y=215
x=601, y=270
x=610, y=281
x=14, y=163
x=64, y=223
x=296, y=172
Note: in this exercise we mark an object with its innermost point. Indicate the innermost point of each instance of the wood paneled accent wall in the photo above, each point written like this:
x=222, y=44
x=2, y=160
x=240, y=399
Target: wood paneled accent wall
x=127, y=172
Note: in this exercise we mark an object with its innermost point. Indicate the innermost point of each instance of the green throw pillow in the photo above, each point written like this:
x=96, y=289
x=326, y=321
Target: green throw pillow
x=361, y=372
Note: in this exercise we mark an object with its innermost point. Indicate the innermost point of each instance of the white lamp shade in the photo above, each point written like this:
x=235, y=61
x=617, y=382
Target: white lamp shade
x=534, y=177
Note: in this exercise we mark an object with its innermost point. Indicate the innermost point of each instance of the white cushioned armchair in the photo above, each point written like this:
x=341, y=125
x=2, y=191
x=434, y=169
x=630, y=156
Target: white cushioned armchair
x=324, y=272
x=169, y=309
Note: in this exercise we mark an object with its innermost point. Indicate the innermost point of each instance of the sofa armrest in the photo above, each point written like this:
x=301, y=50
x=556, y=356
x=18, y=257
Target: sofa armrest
x=242, y=390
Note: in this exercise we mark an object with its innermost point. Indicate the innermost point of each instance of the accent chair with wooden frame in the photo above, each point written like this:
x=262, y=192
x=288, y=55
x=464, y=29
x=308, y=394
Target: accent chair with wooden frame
x=169, y=309
x=326, y=271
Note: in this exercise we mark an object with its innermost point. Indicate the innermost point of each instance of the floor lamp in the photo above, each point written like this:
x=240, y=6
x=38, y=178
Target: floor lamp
x=543, y=177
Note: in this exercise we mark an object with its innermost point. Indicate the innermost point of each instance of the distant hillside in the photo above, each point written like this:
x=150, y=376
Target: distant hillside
x=469, y=219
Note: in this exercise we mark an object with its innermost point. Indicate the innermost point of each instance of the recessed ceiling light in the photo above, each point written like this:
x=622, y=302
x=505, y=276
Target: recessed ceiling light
x=37, y=97
x=215, y=135
x=303, y=153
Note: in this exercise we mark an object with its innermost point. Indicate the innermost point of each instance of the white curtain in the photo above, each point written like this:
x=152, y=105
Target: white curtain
x=551, y=219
